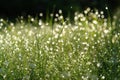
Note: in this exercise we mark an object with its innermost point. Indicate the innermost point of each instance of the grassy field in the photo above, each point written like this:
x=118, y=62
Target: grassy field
x=86, y=49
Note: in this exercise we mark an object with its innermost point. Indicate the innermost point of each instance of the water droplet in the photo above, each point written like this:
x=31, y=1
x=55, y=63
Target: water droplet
x=106, y=8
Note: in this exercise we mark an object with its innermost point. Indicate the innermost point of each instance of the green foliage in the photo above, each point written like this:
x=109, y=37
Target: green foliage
x=87, y=49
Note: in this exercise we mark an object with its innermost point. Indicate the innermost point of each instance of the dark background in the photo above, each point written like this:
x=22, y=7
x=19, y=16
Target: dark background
x=15, y=8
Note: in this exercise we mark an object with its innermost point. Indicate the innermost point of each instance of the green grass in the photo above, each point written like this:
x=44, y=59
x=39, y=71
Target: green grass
x=86, y=49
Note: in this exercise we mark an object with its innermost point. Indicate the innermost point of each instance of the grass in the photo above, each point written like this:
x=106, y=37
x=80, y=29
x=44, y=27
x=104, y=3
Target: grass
x=86, y=49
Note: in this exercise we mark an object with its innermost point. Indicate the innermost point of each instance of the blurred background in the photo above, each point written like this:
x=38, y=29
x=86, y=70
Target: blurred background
x=15, y=8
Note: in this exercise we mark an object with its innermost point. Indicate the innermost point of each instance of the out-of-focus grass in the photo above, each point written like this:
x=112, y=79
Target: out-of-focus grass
x=87, y=49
